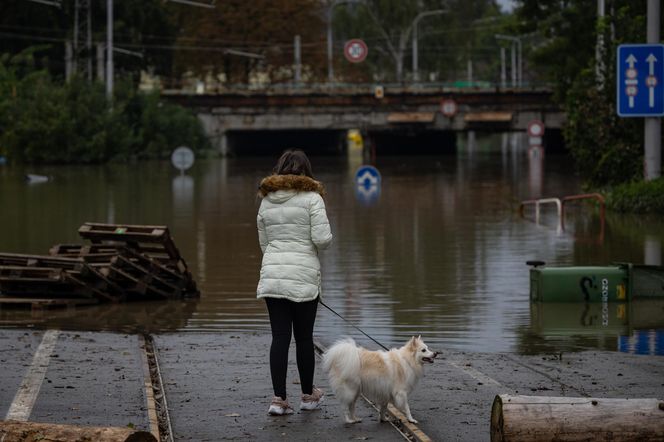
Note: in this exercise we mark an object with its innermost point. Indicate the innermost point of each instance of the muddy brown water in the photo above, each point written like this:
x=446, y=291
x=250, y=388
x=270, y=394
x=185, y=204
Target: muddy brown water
x=439, y=250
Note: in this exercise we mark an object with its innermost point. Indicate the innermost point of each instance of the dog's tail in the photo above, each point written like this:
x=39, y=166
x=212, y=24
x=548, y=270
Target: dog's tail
x=342, y=363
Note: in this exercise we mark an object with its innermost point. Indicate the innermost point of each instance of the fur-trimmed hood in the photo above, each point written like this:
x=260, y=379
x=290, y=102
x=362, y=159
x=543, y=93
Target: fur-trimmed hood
x=299, y=183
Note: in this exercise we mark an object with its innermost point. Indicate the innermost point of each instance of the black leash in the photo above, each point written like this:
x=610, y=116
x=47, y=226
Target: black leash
x=351, y=324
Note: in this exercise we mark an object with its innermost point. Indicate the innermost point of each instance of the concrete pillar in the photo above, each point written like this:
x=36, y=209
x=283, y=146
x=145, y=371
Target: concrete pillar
x=652, y=126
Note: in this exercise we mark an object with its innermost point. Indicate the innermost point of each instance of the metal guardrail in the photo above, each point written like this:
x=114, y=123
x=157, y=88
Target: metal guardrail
x=560, y=205
x=538, y=203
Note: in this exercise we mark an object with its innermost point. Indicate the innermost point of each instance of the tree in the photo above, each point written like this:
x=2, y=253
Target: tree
x=387, y=26
x=264, y=28
x=607, y=149
x=146, y=27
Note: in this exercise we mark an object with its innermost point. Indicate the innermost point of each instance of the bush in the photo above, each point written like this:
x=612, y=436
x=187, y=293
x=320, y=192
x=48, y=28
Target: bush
x=42, y=121
x=637, y=197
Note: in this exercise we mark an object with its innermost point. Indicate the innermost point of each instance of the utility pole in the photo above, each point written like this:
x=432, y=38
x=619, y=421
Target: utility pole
x=517, y=72
x=652, y=127
x=599, y=47
x=109, y=49
x=83, y=39
x=298, y=61
x=329, y=15
x=416, y=21
x=503, y=70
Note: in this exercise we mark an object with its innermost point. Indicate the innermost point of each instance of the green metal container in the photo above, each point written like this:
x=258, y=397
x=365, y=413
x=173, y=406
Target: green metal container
x=580, y=284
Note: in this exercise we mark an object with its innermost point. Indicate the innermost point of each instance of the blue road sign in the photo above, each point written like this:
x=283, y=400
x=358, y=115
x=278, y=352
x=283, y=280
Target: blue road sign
x=367, y=176
x=640, y=80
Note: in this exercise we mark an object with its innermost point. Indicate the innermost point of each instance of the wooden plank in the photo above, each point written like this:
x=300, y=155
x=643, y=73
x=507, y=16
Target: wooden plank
x=16, y=260
x=20, y=273
x=542, y=418
x=14, y=430
x=47, y=302
x=96, y=232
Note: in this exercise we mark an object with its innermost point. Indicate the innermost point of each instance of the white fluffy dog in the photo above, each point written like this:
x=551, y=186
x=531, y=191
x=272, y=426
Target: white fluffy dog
x=382, y=376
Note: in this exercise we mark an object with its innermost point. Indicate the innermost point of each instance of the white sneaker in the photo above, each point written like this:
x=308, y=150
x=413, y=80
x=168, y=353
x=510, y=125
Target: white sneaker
x=279, y=407
x=313, y=400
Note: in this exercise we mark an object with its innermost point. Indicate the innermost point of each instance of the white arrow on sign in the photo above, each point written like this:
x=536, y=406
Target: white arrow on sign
x=373, y=180
x=631, y=60
x=651, y=71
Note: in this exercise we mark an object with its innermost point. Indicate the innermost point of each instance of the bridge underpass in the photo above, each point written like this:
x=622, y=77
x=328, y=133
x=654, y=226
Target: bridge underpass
x=401, y=141
x=403, y=120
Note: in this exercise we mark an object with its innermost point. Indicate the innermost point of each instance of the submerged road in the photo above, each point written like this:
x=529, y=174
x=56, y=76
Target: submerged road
x=217, y=386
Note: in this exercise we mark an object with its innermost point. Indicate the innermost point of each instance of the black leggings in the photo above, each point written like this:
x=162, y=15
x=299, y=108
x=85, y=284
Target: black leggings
x=299, y=317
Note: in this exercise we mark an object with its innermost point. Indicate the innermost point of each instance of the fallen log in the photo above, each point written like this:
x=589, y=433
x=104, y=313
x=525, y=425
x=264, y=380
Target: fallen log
x=15, y=431
x=543, y=418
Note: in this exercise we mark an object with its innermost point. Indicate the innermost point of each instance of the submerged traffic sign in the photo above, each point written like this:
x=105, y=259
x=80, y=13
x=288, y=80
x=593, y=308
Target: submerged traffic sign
x=639, y=88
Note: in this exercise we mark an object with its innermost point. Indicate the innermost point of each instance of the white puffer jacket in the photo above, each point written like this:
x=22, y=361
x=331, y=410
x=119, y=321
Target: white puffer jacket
x=292, y=227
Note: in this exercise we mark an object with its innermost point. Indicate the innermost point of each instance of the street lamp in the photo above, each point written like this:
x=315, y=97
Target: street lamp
x=420, y=16
x=56, y=3
x=330, y=68
x=192, y=3
x=519, y=70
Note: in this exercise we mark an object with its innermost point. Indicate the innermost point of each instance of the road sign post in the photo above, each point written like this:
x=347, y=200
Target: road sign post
x=640, y=89
x=367, y=184
x=448, y=107
x=182, y=158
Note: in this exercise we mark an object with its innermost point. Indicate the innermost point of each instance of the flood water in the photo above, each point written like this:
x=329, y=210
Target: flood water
x=439, y=251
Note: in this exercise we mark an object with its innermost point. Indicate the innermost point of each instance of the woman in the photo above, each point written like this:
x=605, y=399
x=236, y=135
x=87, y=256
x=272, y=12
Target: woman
x=292, y=228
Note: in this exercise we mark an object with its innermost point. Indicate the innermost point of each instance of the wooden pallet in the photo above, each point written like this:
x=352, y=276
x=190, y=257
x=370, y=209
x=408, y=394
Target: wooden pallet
x=99, y=256
x=151, y=240
x=61, y=278
x=123, y=262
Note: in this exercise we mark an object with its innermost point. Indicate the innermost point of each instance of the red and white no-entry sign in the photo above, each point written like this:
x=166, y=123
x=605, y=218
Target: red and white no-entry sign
x=448, y=107
x=536, y=128
x=355, y=50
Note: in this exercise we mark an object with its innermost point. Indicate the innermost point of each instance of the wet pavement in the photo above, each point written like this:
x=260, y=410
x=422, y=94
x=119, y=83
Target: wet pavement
x=218, y=386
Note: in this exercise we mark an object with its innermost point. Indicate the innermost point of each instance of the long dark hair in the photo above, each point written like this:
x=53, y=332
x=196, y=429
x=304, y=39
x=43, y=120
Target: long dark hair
x=293, y=162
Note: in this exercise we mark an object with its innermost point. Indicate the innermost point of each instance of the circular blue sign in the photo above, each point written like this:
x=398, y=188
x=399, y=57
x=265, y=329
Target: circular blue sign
x=367, y=176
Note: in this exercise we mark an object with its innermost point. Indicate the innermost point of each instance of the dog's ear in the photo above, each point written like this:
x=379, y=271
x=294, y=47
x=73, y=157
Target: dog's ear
x=412, y=342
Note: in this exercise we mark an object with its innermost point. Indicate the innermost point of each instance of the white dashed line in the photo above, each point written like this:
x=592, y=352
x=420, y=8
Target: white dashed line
x=26, y=395
x=475, y=374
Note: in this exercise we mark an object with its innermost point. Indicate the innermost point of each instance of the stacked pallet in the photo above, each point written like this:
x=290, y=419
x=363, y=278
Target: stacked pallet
x=120, y=263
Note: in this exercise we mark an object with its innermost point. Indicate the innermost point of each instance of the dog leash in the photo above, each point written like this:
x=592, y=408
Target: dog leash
x=351, y=324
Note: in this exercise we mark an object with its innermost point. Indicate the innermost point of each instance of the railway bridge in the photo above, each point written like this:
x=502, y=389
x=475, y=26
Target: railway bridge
x=390, y=118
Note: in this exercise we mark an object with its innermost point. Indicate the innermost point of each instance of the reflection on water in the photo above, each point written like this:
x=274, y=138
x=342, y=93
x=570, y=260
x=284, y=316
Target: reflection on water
x=440, y=253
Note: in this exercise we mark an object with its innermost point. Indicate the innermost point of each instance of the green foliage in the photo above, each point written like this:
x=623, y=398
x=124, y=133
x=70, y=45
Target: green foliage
x=638, y=197
x=42, y=121
x=607, y=149
x=147, y=26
